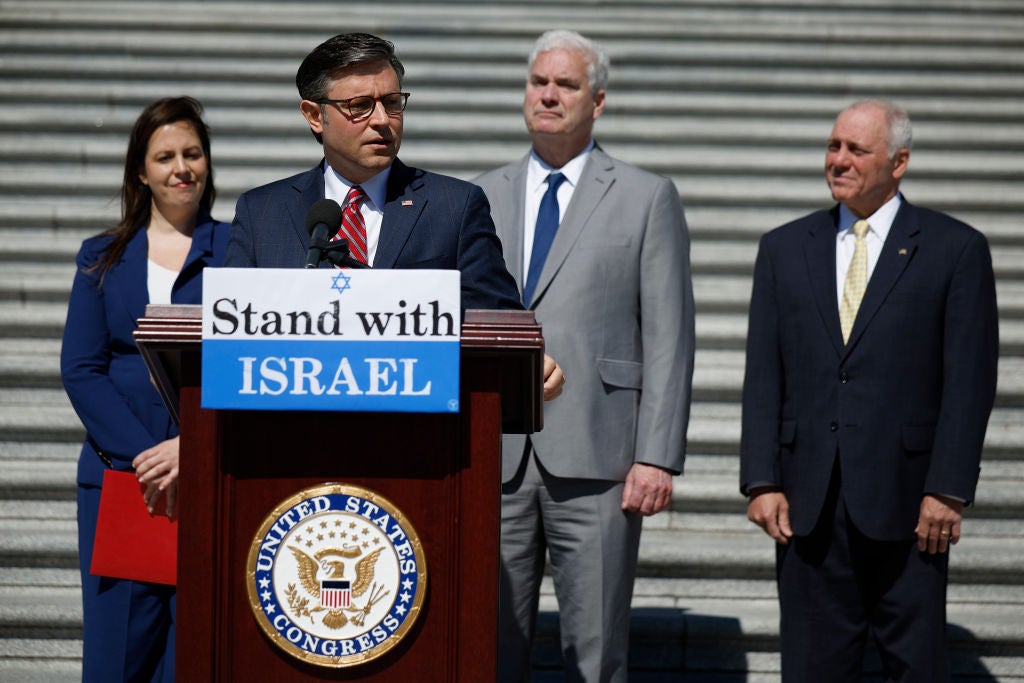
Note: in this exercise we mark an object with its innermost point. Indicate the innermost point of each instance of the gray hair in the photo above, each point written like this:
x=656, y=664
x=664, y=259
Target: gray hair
x=897, y=121
x=597, y=58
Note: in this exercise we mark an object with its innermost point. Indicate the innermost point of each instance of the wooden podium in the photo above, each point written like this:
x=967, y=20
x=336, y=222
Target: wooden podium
x=442, y=470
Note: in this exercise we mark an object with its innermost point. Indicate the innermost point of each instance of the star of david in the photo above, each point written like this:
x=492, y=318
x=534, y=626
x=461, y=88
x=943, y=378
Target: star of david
x=340, y=282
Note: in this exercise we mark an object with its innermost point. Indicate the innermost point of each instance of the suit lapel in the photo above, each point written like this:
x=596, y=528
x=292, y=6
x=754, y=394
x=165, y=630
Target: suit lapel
x=511, y=233
x=309, y=189
x=402, y=208
x=201, y=251
x=127, y=281
x=595, y=181
x=899, y=248
x=820, y=255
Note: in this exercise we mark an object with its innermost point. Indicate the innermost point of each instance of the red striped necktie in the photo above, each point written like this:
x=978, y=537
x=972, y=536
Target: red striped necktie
x=353, y=228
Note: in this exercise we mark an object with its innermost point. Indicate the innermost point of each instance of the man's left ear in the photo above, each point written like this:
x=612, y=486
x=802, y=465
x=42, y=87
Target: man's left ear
x=598, y=103
x=900, y=163
x=314, y=115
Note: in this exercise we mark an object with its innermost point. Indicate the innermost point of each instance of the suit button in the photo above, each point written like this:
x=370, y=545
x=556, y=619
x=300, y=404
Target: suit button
x=843, y=377
x=834, y=427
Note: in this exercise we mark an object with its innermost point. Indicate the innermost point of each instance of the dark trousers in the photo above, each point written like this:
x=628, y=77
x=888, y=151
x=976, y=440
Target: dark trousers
x=836, y=585
x=128, y=626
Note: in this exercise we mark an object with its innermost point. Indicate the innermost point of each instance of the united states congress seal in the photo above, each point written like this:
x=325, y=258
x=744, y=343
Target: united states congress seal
x=336, y=575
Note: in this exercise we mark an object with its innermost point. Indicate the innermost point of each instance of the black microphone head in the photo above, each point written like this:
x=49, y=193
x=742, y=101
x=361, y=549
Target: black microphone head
x=325, y=211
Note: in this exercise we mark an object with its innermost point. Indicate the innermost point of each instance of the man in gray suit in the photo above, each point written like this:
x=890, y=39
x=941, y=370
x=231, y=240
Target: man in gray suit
x=600, y=251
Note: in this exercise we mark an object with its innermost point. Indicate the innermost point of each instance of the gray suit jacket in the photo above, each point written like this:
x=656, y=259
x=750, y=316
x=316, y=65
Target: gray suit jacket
x=616, y=303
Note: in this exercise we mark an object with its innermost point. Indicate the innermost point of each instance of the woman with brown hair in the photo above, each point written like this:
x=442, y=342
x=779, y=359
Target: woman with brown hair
x=156, y=254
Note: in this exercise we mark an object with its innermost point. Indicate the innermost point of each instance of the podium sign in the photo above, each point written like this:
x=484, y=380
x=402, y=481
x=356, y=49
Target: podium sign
x=355, y=340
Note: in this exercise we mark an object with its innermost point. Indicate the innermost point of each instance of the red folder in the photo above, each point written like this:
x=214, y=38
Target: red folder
x=131, y=543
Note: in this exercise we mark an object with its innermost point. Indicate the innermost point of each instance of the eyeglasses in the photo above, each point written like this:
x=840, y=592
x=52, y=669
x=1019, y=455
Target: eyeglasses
x=359, y=108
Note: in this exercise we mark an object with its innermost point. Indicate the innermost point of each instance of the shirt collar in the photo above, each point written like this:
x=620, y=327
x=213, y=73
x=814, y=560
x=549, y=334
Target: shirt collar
x=537, y=170
x=376, y=188
x=880, y=221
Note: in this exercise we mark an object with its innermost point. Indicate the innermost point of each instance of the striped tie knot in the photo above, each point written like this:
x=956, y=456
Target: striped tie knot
x=353, y=227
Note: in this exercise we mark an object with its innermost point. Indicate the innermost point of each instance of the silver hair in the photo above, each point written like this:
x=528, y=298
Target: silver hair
x=897, y=122
x=597, y=59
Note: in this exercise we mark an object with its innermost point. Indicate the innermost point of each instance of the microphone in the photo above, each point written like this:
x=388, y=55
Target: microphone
x=323, y=221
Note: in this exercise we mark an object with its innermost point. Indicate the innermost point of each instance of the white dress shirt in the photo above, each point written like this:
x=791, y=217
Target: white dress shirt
x=879, y=224
x=536, y=186
x=159, y=282
x=372, y=209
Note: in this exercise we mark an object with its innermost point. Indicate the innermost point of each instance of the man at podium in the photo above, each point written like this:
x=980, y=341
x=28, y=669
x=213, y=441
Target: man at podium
x=394, y=216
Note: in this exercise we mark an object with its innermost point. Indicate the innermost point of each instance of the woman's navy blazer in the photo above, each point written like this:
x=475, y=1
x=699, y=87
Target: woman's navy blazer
x=103, y=373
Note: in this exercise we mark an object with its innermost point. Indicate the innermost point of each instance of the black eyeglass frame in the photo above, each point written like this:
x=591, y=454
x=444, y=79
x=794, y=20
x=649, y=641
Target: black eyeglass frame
x=346, y=104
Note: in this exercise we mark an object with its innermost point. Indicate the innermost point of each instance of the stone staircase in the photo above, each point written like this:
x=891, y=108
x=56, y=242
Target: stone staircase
x=732, y=99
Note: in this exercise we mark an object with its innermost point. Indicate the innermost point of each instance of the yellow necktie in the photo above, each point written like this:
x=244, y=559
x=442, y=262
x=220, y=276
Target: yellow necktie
x=856, y=280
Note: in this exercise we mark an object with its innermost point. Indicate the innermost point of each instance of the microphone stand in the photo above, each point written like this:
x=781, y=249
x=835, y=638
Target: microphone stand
x=337, y=252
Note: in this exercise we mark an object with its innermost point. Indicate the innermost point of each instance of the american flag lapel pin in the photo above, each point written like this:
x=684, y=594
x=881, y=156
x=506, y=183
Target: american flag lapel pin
x=902, y=252
x=406, y=202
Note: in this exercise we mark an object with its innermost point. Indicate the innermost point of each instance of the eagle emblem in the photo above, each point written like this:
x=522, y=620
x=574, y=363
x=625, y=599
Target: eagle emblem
x=320, y=569
x=336, y=575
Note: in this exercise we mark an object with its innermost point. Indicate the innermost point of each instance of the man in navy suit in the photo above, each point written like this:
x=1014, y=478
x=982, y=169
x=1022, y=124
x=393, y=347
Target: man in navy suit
x=352, y=99
x=870, y=376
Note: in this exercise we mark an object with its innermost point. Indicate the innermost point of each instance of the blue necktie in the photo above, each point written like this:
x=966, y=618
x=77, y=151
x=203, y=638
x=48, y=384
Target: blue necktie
x=543, y=234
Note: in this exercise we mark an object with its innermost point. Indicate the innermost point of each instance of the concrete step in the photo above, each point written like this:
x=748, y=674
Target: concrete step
x=30, y=543
x=39, y=603
x=24, y=486
x=504, y=51
x=38, y=415
x=505, y=37
x=41, y=660
x=714, y=627
x=38, y=451
x=840, y=68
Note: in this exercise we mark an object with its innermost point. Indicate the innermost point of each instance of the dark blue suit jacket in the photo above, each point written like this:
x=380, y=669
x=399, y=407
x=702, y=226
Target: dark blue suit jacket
x=905, y=403
x=430, y=221
x=104, y=375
